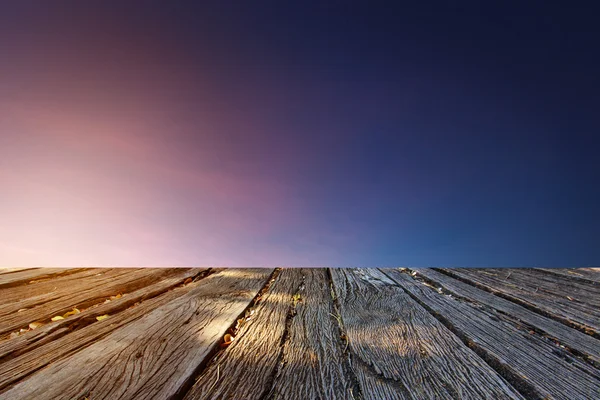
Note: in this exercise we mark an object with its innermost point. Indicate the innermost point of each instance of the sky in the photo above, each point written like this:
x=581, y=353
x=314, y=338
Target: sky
x=329, y=133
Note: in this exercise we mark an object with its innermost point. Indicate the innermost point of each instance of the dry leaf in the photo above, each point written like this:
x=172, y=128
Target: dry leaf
x=68, y=314
x=228, y=338
x=35, y=325
x=188, y=280
x=57, y=318
x=101, y=317
x=115, y=297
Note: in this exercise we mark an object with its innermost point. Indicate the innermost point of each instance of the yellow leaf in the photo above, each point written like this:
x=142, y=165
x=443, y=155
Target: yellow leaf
x=115, y=297
x=57, y=318
x=35, y=325
x=68, y=314
x=101, y=317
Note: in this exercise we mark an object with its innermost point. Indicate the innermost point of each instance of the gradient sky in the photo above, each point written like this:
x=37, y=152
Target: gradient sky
x=157, y=133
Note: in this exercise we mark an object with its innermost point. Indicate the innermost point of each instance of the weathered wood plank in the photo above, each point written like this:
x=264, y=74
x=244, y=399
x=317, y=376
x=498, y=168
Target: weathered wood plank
x=154, y=356
x=271, y=359
x=82, y=293
x=62, y=342
x=581, y=343
x=51, y=331
x=245, y=369
x=588, y=274
x=313, y=361
x=400, y=351
x=42, y=291
x=575, y=303
x=14, y=277
x=537, y=366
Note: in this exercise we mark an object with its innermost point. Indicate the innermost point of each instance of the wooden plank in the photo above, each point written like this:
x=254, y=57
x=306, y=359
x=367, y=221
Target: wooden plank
x=538, y=367
x=579, y=342
x=80, y=293
x=588, y=274
x=312, y=363
x=575, y=303
x=61, y=342
x=400, y=351
x=51, y=331
x=14, y=277
x=155, y=356
x=38, y=292
x=282, y=358
x=245, y=369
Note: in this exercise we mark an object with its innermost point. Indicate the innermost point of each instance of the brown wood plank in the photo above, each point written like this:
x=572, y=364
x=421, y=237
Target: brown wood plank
x=573, y=302
x=13, y=370
x=400, y=351
x=38, y=292
x=80, y=293
x=536, y=365
x=269, y=359
x=154, y=356
x=579, y=342
x=53, y=330
x=245, y=368
x=21, y=276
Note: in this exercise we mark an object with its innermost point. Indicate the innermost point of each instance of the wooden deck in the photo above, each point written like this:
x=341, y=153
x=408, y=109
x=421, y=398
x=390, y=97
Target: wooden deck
x=299, y=334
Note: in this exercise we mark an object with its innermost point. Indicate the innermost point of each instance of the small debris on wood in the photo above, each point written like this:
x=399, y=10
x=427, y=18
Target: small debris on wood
x=35, y=325
x=227, y=339
x=102, y=317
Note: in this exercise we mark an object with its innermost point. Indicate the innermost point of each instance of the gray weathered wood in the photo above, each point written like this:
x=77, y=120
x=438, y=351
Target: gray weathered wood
x=573, y=302
x=269, y=359
x=313, y=360
x=245, y=369
x=542, y=368
x=576, y=340
x=399, y=351
x=154, y=356
x=53, y=330
x=588, y=274
x=80, y=293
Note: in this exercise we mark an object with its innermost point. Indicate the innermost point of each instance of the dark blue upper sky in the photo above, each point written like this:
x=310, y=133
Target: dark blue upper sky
x=302, y=133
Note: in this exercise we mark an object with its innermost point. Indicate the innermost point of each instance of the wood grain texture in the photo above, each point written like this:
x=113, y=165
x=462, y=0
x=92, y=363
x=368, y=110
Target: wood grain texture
x=573, y=302
x=578, y=341
x=38, y=292
x=400, y=351
x=313, y=361
x=81, y=292
x=63, y=342
x=588, y=274
x=288, y=350
x=154, y=356
x=10, y=277
x=544, y=369
x=53, y=330
x=244, y=369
